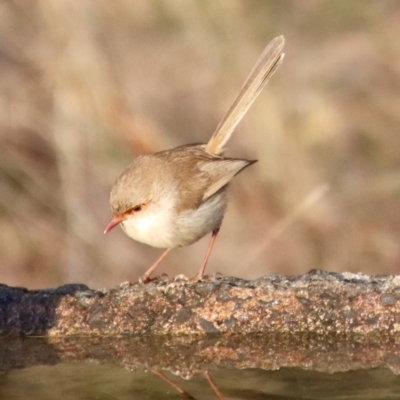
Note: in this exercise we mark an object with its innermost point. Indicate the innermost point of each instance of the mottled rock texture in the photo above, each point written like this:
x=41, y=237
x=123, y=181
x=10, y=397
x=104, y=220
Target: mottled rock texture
x=319, y=302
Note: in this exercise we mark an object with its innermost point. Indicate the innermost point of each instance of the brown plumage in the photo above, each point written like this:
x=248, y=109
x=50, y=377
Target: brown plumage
x=174, y=197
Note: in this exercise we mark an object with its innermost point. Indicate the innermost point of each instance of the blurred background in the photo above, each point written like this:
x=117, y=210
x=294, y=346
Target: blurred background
x=85, y=86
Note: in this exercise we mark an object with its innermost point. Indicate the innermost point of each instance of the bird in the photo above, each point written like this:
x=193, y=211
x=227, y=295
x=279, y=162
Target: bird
x=174, y=197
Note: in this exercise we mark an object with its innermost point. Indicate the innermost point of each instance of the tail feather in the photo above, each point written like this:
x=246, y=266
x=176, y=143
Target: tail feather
x=269, y=61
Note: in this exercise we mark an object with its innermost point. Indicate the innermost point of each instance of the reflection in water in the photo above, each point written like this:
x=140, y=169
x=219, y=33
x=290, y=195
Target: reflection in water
x=186, y=394
x=298, y=366
x=213, y=385
x=173, y=384
x=95, y=381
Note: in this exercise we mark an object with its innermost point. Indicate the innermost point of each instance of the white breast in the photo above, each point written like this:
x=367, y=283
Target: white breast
x=153, y=226
x=159, y=226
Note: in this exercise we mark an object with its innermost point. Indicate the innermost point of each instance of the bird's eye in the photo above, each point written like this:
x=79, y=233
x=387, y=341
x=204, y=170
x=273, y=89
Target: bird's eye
x=137, y=208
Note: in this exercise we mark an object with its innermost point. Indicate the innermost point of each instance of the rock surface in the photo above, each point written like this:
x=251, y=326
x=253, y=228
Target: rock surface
x=319, y=302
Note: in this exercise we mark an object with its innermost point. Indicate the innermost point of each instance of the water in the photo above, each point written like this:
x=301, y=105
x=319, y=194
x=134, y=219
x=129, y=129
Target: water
x=106, y=382
x=260, y=367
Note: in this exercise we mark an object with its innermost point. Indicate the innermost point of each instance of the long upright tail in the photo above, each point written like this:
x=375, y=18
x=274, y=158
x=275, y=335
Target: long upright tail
x=266, y=65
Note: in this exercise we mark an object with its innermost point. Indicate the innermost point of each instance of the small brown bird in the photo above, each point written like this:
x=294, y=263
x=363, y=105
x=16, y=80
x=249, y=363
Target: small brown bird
x=175, y=197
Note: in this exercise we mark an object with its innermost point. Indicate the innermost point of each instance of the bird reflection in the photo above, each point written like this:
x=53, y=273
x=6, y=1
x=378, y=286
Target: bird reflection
x=186, y=394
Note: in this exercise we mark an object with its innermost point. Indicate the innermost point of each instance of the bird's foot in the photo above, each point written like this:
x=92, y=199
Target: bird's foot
x=180, y=278
x=214, y=277
x=144, y=279
x=125, y=285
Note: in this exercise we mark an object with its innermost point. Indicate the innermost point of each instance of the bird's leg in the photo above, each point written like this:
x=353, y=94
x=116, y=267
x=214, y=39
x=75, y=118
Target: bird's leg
x=210, y=246
x=213, y=385
x=174, y=385
x=146, y=276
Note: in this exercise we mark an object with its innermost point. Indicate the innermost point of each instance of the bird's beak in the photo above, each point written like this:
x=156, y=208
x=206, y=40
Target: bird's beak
x=113, y=223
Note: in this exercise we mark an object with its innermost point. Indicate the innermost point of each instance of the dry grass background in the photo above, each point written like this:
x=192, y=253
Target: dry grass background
x=87, y=85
